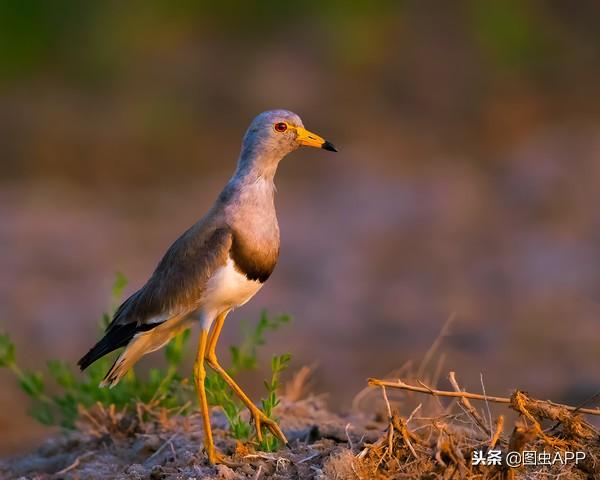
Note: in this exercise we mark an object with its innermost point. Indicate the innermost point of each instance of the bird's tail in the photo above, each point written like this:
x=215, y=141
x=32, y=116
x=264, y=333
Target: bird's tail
x=116, y=336
x=138, y=341
x=139, y=346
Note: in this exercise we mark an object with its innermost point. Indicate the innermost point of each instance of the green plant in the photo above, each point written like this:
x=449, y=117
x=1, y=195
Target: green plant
x=163, y=387
x=245, y=356
x=279, y=363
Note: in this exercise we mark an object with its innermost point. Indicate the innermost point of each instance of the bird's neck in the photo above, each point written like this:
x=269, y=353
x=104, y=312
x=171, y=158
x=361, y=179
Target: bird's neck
x=255, y=164
x=249, y=202
x=252, y=182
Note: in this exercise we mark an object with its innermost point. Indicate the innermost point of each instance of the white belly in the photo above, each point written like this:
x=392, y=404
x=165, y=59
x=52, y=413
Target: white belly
x=226, y=290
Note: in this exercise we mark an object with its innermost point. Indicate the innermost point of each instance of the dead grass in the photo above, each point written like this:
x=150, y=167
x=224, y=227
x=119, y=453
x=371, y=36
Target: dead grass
x=441, y=440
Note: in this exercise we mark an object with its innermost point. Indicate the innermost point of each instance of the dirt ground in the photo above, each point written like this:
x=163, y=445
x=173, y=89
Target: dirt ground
x=436, y=440
x=123, y=447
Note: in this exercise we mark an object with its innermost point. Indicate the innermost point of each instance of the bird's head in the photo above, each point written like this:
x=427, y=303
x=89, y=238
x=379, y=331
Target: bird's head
x=275, y=133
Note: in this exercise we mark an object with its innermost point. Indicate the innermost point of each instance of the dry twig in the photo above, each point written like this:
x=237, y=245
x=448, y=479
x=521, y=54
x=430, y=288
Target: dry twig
x=436, y=344
x=390, y=423
x=163, y=446
x=467, y=405
x=498, y=432
x=74, y=465
x=399, y=384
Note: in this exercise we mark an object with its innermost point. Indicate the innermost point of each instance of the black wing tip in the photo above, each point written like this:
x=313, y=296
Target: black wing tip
x=117, y=337
x=89, y=358
x=104, y=346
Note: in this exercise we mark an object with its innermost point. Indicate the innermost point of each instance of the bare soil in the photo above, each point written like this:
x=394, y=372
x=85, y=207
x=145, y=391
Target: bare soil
x=434, y=440
x=116, y=445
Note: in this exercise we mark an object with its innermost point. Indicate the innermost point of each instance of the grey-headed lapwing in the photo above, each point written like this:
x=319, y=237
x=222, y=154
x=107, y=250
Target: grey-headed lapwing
x=214, y=267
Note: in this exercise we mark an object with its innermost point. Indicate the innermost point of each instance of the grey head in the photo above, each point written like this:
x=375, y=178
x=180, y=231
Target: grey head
x=272, y=135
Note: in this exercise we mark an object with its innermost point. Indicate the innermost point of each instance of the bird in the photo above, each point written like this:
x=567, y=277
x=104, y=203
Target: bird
x=215, y=266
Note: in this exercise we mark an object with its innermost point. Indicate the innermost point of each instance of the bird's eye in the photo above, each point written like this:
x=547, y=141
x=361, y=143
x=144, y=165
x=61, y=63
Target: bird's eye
x=281, y=127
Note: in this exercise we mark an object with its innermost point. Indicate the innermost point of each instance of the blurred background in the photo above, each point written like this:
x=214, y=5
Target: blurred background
x=467, y=179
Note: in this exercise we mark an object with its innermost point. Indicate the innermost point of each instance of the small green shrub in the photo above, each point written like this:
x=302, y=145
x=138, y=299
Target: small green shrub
x=279, y=363
x=163, y=387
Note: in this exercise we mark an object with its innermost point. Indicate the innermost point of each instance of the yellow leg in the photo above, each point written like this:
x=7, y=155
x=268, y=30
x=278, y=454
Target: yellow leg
x=213, y=337
x=199, y=376
x=257, y=414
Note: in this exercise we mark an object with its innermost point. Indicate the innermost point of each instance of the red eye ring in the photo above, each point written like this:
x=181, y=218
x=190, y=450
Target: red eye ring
x=280, y=127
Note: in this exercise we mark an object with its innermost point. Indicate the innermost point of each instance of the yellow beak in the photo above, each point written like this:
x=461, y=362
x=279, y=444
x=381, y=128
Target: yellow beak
x=309, y=139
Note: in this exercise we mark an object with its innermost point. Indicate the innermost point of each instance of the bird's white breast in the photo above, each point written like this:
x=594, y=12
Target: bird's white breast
x=226, y=289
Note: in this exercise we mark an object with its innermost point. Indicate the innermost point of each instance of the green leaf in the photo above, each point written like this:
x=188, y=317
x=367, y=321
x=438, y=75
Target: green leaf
x=42, y=412
x=32, y=383
x=61, y=373
x=67, y=406
x=7, y=351
x=284, y=319
x=240, y=429
x=235, y=356
x=155, y=376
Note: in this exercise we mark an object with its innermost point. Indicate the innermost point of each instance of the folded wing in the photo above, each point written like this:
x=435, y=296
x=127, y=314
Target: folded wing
x=174, y=289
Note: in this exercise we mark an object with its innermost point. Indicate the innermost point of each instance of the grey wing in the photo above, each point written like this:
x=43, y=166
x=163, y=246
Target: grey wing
x=175, y=288
x=180, y=278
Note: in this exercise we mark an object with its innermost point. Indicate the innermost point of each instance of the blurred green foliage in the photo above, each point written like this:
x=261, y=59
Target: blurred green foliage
x=163, y=388
x=512, y=33
x=111, y=91
x=95, y=38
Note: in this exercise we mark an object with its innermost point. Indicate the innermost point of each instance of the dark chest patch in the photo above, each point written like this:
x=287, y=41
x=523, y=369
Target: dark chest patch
x=254, y=263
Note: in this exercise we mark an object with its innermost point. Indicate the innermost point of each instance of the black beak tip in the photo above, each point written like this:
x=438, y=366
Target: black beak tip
x=329, y=146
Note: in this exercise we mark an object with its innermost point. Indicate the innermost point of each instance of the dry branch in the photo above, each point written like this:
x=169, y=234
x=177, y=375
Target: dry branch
x=399, y=384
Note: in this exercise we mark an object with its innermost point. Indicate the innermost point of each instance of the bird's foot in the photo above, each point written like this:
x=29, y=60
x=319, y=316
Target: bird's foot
x=215, y=457
x=261, y=419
